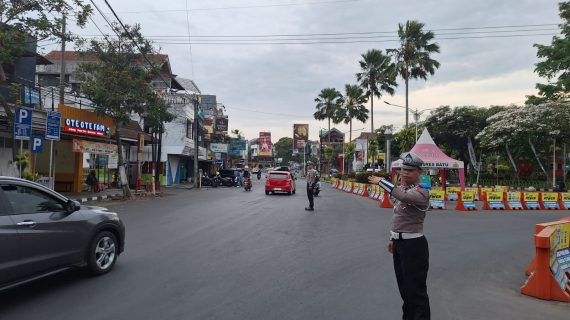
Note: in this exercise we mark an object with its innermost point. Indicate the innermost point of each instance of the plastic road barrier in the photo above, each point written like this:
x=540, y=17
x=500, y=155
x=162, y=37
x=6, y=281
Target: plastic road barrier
x=549, y=201
x=466, y=201
x=494, y=201
x=530, y=201
x=550, y=269
x=437, y=199
x=452, y=193
x=514, y=201
x=566, y=200
x=484, y=192
x=475, y=191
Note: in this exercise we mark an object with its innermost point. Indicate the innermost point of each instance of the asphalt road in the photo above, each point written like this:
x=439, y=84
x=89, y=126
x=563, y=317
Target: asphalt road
x=227, y=254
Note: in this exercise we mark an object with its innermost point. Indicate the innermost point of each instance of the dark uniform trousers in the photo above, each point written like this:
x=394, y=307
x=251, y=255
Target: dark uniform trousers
x=411, y=263
x=310, y=196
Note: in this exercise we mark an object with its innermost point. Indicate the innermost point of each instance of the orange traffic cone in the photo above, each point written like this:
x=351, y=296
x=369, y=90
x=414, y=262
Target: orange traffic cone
x=365, y=193
x=460, y=205
x=386, y=201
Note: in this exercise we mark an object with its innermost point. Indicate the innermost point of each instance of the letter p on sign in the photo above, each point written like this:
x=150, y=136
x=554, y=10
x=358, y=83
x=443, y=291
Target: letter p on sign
x=37, y=144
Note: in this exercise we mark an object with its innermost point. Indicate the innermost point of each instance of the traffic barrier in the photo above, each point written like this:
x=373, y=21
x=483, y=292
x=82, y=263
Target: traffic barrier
x=466, y=201
x=351, y=187
x=484, y=192
x=565, y=203
x=501, y=189
x=386, y=203
x=437, y=199
x=549, y=201
x=494, y=201
x=475, y=192
x=514, y=201
x=379, y=193
x=452, y=193
x=365, y=193
x=531, y=201
x=549, y=270
x=356, y=188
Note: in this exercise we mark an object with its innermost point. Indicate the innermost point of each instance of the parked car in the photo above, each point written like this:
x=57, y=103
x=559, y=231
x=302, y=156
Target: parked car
x=280, y=181
x=42, y=232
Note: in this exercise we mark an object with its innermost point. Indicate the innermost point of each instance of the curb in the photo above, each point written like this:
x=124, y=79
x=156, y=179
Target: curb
x=96, y=198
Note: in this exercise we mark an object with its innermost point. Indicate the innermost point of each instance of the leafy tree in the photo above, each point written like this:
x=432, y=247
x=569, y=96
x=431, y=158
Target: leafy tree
x=377, y=75
x=406, y=138
x=554, y=64
x=117, y=86
x=349, y=150
x=157, y=113
x=413, y=57
x=328, y=106
x=373, y=149
x=353, y=106
x=329, y=153
x=25, y=21
x=284, y=149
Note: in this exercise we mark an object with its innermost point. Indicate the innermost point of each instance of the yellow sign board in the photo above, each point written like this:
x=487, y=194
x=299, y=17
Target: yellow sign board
x=566, y=197
x=514, y=196
x=452, y=190
x=494, y=196
x=436, y=195
x=530, y=196
x=486, y=190
x=468, y=196
x=501, y=188
x=549, y=196
x=559, y=239
x=474, y=190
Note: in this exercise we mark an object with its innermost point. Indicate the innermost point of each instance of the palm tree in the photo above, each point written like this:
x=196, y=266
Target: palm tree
x=413, y=59
x=353, y=106
x=378, y=75
x=328, y=106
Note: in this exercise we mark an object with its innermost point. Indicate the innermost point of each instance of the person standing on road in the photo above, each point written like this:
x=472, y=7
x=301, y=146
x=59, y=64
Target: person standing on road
x=312, y=178
x=407, y=243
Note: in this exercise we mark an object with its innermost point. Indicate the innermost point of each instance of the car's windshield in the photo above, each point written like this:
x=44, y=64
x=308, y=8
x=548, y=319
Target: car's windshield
x=278, y=176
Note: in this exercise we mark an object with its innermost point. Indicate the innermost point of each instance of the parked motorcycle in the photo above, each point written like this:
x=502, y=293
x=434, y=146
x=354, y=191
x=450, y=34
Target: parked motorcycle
x=247, y=184
x=226, y=181
x=210, y=181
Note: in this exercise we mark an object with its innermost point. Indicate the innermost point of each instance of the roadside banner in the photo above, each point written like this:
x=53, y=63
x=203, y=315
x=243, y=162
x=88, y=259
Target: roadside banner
x=475, y=191
x=495, y=201
x=514, y=200
x=549, y=201
x=265, y=144
x=437, y=199
x=530, y=200
x=566, y=200
x=452, y=193
x=468, y=199
x=501, y=188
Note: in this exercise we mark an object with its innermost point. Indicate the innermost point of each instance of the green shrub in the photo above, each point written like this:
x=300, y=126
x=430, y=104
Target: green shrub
x=362, y=177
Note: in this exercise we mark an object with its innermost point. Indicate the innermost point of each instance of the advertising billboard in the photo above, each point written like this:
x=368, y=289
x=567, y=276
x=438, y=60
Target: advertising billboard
x=265, y=144
x=222, y=124
x=300, y=136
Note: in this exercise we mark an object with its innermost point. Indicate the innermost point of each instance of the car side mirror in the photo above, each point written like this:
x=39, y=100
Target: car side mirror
x=72, y=206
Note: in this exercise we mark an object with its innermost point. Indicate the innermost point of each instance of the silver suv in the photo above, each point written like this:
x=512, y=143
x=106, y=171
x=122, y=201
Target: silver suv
x=43, y=232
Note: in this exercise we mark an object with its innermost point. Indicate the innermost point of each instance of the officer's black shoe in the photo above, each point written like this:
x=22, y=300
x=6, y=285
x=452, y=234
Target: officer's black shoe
x=309, y=209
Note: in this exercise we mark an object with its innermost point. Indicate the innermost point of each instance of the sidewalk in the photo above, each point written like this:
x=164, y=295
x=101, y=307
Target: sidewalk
x=90, y=196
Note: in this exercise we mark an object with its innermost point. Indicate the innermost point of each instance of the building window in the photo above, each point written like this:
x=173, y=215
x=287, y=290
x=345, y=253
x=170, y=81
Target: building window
x=189, y=129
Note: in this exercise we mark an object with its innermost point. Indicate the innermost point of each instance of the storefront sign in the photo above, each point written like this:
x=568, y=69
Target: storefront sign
x=86, y=128
x=237, y=147
x=219, y=147
x=93, y=147
x=222, y=124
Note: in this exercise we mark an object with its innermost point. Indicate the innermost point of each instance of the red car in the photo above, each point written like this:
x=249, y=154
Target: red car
x=280, y=181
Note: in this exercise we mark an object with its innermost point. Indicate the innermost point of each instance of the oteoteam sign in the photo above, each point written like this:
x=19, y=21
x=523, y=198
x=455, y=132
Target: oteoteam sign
x=85, y=128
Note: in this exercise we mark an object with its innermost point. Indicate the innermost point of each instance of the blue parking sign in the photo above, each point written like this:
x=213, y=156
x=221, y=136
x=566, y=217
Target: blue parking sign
x=23, y=124
x=37, y=144
x=53, y=128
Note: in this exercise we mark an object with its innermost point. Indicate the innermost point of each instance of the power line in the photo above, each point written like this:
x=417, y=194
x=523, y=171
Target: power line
x=136, y=44
x=242, y=7
x=394, y=32
x=189, y=40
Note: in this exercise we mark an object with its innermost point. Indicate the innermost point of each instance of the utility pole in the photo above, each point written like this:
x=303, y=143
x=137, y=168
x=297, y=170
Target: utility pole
x=62, y=64
x=195, y=129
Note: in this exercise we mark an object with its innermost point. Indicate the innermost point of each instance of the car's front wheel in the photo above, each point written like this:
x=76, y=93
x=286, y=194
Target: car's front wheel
x=102, y=253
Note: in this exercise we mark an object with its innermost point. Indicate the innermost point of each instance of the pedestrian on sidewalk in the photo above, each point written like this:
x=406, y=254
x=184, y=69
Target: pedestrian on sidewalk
x=92, y=181
x=312, y=179
x=407, y=243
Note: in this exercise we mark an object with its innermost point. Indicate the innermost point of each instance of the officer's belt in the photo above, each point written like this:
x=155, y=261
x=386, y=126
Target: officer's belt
x=404, y=235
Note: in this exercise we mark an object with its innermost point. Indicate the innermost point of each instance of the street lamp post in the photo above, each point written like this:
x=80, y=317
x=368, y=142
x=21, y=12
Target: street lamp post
x=417, y=114
x=387, y=162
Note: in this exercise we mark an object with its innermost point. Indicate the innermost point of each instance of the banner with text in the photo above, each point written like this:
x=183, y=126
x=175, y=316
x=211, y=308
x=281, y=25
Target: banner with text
x=265, y=144
x=300, y=136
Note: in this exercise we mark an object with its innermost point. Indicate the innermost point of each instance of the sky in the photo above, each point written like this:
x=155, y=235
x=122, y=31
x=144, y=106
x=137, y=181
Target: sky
x=270, y=87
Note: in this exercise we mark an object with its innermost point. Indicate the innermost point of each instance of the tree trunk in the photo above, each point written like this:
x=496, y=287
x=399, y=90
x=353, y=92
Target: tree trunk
x=158, y=162
x=7, y=110
x=371, y=112
x=124, y=184
x=329, y=130
x=406, y=80
x=350, y=134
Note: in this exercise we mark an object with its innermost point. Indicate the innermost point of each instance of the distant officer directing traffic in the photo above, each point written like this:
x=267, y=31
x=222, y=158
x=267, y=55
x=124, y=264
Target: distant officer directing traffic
x=407, y=242
x=312, y=179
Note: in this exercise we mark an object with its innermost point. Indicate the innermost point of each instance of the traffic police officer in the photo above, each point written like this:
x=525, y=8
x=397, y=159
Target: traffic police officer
x=312, y=178
x=407, y=243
